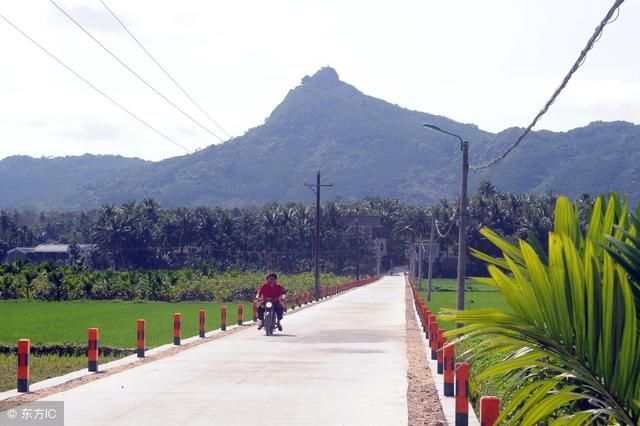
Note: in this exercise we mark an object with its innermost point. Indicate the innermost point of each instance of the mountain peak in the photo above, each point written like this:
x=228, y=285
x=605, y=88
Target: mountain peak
x=324, y=76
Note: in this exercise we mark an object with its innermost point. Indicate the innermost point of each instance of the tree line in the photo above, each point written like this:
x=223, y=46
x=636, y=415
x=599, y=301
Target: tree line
x=279, y=237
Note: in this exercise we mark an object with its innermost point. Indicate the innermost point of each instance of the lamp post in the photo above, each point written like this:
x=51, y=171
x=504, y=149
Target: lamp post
x=462, y=234
x=411, y=252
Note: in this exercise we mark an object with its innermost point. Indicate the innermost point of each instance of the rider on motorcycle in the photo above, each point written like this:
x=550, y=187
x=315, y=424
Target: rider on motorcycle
x=271, y=289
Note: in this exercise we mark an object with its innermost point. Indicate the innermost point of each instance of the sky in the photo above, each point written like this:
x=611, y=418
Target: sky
x=493, y=63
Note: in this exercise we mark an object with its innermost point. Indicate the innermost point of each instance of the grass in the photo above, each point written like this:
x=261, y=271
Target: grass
x=64, y=322
x=477, y=296
x=67, y=322
x=41, y=367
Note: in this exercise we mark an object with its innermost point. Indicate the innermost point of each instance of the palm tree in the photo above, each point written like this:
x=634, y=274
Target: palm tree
x=29, y=275
x=572, y=344
x=626, y=250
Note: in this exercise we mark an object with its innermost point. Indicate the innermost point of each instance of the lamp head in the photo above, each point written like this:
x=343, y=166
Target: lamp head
x=431, y=126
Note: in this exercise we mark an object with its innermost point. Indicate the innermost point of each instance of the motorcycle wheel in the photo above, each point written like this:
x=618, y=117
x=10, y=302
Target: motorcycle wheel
x=268, y=323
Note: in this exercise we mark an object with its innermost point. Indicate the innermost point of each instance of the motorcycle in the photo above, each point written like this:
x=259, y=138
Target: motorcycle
x=270, y=317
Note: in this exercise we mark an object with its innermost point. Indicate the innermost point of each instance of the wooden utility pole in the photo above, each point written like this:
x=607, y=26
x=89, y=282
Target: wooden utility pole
x=420, y=265
x=316, y=243
x=357, y=252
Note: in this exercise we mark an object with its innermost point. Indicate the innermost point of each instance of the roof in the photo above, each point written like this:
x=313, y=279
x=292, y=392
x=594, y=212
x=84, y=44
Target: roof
x=51, y=248
x=21, y=250
x=59, y=248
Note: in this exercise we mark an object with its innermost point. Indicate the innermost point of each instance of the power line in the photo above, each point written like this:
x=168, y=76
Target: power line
x=594, y=38
x=251, y=152
x=450, y=226
x=133, y=72
x=92, y=86
x=163, y=69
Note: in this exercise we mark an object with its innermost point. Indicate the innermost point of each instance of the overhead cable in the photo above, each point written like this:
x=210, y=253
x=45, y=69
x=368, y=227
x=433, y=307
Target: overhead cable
x=594, y=38
x=163, y=69
x=133, y=72
x=92, y=86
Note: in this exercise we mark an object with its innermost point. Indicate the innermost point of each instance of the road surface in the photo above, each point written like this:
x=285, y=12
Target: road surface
x=341, y=362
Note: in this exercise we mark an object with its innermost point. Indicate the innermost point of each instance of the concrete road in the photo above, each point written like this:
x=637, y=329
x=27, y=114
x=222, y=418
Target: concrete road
x=342, y=362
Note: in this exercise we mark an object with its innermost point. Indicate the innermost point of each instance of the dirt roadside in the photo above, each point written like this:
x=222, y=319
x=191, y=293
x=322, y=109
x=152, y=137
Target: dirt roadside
x=422, y=397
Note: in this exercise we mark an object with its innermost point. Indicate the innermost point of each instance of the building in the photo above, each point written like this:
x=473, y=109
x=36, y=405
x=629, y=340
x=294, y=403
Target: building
x=54, y=253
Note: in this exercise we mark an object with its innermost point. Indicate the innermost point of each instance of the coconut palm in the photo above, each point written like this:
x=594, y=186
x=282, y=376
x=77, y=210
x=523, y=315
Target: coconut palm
x=626, y=251
x=571, y=343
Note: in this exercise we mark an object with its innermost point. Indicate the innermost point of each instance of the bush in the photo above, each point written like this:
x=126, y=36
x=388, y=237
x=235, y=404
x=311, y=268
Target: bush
x=51, y=282
x=8, y=288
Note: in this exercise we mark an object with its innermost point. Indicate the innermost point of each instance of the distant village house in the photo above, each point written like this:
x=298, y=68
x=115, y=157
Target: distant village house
x=54, y=253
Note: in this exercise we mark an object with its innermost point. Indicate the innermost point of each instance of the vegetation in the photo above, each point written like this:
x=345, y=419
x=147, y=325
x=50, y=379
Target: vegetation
x=60, y=282
x=477, y=296
x=67, y=322
x=42, y=367
x=570, y=344
x=275, y=237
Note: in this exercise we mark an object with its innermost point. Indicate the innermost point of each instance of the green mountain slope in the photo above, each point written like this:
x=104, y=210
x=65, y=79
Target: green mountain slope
x=364, y=145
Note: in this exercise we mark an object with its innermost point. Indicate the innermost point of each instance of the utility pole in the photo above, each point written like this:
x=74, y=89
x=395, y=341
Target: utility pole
x=357, y=252
x=462, y=235
x=317, y=237
x=430, y=273
x=420, y=265
x=378, y=257
x=412, y=256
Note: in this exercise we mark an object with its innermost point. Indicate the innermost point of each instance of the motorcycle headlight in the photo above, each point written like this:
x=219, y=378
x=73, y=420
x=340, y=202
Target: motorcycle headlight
x=269, y=305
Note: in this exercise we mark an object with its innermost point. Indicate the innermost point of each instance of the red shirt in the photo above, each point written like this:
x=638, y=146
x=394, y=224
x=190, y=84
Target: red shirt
x=269, y=292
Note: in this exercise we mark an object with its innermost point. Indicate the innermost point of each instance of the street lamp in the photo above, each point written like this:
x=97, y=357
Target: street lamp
x=409, y=231
x=462, y=234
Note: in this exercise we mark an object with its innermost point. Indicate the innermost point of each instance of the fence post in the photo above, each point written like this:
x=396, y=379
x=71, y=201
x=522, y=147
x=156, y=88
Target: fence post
x=240, y=309
x=24, y=351
x=255, y=311
x=141, y=327
x=462, y=394
x=489, y=410
x=176, y=328
x=223, y=318
x=92, y=353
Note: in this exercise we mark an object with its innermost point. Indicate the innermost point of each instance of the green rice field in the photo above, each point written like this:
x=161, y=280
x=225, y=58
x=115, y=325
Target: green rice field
x=41, y=367
x=67, y=322
x=477, y=296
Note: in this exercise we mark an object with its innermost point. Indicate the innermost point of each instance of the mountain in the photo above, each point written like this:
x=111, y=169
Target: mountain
x=363, y=145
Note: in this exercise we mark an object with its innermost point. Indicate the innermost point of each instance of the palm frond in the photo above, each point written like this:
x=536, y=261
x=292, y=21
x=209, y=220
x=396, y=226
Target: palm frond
x=573, y=334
